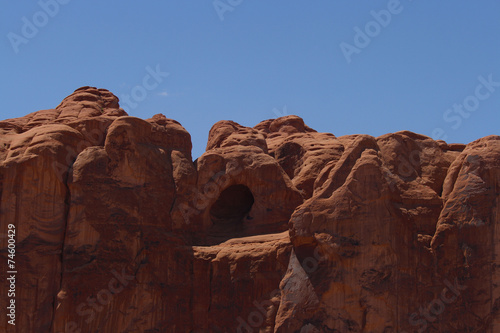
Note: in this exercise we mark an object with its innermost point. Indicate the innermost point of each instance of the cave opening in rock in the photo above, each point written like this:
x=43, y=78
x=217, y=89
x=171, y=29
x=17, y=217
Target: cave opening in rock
x=231, y=208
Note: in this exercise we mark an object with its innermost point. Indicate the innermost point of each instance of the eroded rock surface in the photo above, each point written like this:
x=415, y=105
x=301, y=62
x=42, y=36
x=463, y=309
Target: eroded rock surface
x=275, y=228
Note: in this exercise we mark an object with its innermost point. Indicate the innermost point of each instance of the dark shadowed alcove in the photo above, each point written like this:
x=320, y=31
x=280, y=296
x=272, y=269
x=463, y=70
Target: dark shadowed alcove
x=230, y=210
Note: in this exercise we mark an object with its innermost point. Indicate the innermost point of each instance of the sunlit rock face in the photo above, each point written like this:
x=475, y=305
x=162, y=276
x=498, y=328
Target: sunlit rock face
x=275, y=228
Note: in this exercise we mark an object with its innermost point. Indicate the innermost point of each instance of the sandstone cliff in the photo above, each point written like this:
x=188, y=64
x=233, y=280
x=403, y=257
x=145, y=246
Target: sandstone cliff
x=275, y=228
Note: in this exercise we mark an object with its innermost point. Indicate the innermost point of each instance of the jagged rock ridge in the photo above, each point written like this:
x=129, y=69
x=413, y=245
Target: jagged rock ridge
x=275, y=228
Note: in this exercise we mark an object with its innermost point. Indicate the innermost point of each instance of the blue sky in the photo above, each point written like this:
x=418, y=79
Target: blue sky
x=369, y=67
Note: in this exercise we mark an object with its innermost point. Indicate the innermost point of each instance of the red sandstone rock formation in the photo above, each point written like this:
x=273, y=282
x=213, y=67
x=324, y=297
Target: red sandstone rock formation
x=276, y=228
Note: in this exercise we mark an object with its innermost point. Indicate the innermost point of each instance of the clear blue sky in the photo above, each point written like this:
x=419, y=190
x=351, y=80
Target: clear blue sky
x=264, y=56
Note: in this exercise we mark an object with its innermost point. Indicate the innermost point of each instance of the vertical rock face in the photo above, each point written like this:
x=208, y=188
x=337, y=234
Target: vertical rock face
x=119, y=220
x=275, y=228
x=36, y=155
x=466, y=242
